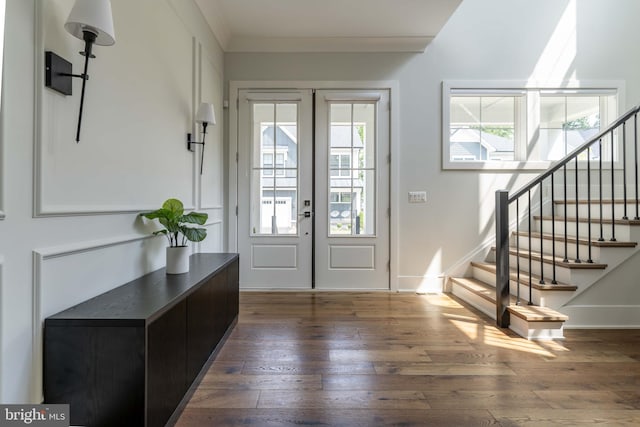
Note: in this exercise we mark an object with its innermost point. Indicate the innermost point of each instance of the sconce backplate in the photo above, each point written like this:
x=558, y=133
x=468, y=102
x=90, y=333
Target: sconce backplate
x=57, y=72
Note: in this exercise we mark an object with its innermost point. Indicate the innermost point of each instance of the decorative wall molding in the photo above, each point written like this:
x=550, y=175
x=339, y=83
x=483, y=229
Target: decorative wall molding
x=39, y=258
x=210, y=89
x=2, y=170
x=46, y=203
x=215, y=237
x=2, y=399
x=195, y=102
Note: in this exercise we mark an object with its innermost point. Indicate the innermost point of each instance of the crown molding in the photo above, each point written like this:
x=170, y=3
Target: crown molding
x=328, y=44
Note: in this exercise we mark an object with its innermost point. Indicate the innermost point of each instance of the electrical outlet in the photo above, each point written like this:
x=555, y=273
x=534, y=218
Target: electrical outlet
x=417, y=197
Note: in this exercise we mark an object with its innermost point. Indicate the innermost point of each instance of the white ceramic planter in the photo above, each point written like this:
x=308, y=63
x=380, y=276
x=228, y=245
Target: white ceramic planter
x=178, y=260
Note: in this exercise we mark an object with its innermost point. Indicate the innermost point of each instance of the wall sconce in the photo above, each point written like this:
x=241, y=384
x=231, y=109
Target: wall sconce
x=206, y=116
x=91, y=21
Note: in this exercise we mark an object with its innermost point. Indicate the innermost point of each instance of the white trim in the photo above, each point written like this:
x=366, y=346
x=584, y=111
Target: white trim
x=78, y=248
x=2, y=169
x=1, y=329
x=268, y=96
x=394, y=95
x=38, y=93
x=416, y=44
x=196, y=98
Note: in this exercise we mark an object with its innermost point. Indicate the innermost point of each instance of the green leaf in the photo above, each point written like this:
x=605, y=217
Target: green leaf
x=159, y=213
x=172, y=224
x=194, y=234
x=155, y=233
x=195, y=218
x=174, y=206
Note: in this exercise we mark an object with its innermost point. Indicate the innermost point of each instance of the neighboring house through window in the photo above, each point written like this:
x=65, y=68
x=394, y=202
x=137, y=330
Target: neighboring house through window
x=509, y=126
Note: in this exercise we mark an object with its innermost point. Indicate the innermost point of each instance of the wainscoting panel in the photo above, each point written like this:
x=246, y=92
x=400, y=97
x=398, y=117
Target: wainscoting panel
x=212, y=182
x=64, y=277
x=2, y=177
x=132, y=149
x=214, y=241
x=1, y=305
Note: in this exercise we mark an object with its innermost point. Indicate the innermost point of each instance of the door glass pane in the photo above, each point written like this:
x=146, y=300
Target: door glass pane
x=274, y=181
x=352, y=169
x=364, y=136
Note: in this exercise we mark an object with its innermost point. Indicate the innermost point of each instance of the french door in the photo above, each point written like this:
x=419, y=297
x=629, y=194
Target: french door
x=313, y=189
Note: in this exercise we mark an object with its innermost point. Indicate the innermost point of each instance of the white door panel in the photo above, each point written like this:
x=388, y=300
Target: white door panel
x=274, y=148
x=352, y=190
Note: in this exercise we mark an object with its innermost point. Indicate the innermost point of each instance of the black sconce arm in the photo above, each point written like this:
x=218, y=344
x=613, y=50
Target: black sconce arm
x=190, y=143
x=58, y=73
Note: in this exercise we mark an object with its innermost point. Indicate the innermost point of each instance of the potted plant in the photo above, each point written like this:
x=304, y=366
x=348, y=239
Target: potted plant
x=177, y=231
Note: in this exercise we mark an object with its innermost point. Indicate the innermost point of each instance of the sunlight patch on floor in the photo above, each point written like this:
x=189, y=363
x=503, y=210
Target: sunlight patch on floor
x=476, y=330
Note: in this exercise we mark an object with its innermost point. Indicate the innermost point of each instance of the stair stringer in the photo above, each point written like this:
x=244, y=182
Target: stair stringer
x=613, y=301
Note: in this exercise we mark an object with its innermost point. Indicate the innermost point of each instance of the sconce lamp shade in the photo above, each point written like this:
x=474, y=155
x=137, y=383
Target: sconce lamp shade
x=93, y=16
x=206, y=114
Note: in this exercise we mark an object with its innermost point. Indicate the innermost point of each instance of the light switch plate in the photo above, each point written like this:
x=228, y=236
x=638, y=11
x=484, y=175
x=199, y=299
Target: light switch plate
x=417, y=197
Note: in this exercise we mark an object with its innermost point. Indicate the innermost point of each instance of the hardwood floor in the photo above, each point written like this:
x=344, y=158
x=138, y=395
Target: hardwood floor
x=375, y=359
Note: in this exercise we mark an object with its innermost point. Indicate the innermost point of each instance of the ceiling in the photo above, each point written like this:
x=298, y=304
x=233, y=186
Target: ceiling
x=326, y=25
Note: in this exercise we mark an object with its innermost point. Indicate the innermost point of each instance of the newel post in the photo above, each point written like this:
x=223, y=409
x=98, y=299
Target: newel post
x=502, y=258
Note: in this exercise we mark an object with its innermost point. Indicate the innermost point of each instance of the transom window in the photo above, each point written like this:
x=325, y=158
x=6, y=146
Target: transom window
x=520, y=128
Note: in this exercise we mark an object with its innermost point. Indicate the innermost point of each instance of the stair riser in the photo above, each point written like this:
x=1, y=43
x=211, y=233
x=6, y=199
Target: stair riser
x=563, y=274
x=583, y=210
x=602, y=255
x=543, y=298
x=582, y=250
x=622, y=231
x=537, y=330
x=476, y=301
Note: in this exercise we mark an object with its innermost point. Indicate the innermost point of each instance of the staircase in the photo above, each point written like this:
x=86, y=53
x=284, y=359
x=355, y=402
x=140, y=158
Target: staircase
x=559, y=235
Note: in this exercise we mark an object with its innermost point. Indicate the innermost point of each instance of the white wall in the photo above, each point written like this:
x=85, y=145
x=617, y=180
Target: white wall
x=543, y=41
x=70, y=229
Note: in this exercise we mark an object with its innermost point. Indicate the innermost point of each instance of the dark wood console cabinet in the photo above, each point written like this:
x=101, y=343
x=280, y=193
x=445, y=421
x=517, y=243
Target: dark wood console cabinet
x=127, y=357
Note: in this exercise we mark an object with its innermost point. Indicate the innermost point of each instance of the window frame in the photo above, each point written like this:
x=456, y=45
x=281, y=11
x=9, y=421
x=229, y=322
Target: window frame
x=527, y=118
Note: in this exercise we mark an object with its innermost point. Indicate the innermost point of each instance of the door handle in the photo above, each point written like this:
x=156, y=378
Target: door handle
x=306, y=214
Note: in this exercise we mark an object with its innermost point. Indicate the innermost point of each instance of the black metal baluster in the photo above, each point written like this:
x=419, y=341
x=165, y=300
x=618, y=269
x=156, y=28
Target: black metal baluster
x=564, y=183
x=541, y=239
x=553, y=229
x=624, y=169
x=635, y=144
x=601, y=238
x=518, y=251
x=589, y=260
x=529, y=236
x=577, y=217
x=613, y=193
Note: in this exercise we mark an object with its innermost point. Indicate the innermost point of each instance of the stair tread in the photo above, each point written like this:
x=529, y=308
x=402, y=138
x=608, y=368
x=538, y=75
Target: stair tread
x=595, y=201
x=618, y=221
x=479, y=288
x=534, y=313
x=530, y=313
x=524, y=278
x=548, y=259
x=570, y=239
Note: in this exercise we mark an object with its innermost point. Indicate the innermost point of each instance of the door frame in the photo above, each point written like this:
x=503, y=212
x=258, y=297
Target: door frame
x=394, y=115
